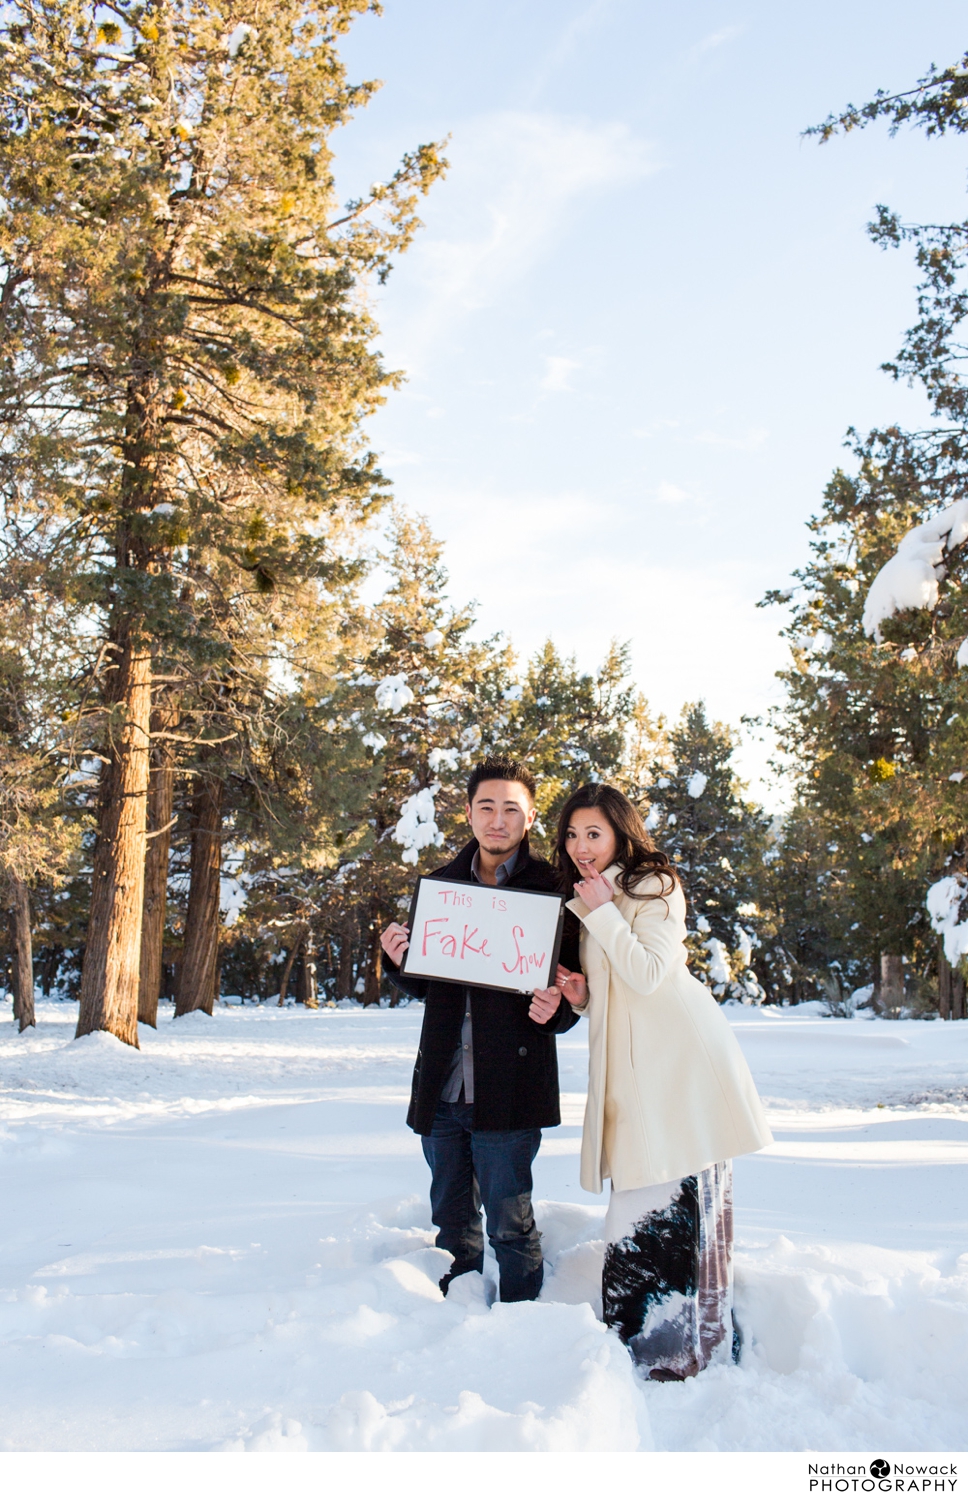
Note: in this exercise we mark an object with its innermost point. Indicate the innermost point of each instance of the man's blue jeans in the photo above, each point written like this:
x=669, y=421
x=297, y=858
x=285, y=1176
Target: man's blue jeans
x=494, y=1167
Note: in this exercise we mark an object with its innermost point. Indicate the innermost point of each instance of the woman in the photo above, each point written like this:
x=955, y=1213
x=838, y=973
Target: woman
x=670, y=1098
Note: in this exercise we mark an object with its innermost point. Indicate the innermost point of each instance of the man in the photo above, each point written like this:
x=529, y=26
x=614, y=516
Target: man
x=486, y=1076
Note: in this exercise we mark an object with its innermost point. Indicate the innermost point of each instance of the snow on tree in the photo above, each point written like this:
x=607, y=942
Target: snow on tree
x=393, y=694
x=912, y=577
x=947, y=904
x=416, y=828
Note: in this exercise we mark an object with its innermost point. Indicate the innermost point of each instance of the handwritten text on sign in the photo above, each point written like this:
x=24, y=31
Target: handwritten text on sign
x=485, y=935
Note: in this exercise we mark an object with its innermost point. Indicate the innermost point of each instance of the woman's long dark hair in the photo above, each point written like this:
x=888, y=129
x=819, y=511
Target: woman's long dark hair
x=636, y=853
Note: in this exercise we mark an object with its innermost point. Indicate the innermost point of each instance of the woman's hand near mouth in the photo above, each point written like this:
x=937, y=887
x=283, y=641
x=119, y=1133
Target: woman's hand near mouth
x=594, y=890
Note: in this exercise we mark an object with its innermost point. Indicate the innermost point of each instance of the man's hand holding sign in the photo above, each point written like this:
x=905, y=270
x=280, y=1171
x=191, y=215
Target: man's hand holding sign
x=486, y=937
x=544, y=1002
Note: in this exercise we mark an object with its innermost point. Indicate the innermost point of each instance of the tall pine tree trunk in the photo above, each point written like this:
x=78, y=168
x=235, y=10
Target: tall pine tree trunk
x=944, y=983
x=23, y=957
x=109, y=981
x=374, y=967
x=891, y=990
x=306, y=990
x=196, y=976
x=344, y=976
x=295, y=946
x=161, y=789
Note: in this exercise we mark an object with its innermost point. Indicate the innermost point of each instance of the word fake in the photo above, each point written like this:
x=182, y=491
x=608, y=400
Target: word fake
x=475, y=934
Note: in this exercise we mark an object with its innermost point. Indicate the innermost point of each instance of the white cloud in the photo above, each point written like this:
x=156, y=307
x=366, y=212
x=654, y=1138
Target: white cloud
x=515, y=178
x=718, y=38
x=566, y=45
x=558, y=372
x=743, y=442
x=670, y=494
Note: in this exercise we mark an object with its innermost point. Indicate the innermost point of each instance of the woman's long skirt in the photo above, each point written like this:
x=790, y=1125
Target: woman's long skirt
x=667, y=1284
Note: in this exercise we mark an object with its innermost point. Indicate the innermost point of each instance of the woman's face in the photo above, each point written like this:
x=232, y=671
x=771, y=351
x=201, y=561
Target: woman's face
x=590, y=840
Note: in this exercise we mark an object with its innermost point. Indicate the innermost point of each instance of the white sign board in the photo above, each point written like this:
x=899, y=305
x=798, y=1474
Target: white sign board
x=491, y=936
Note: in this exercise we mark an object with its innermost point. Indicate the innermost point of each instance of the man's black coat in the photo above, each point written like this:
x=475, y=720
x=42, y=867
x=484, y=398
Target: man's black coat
x=515, y=1063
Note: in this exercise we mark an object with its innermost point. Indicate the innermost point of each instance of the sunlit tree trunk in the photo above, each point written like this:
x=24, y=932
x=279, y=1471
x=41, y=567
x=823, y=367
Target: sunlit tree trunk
x=307, y=993
x=295, y=948
x=891, y=989
x=23, y=957
x=161, y=788
x=196, y=977
x=109, y=982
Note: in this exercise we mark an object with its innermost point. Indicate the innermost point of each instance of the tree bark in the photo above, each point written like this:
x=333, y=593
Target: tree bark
x=196, y=976
x=161, y=791
x=344, y=977
x=891, y=991
x=48, y=971
x=374, y=968
x=297, y=941
x=944, y=983
x=23, y=957
x=109, y=981
x=14, y=981
x=957, y=996
x=306, y=990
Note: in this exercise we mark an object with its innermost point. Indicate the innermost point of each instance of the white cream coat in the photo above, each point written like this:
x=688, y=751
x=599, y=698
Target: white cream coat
x=669, y=1091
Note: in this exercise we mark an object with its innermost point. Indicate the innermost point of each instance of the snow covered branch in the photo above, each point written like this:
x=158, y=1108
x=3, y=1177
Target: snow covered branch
x=910, y=579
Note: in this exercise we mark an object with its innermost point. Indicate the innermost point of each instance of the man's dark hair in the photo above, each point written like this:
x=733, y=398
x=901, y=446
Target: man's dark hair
x=501, y=768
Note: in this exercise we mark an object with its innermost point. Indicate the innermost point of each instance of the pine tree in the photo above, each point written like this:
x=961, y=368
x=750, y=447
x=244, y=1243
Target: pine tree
x=878, y=728
x=413, y=711
x=570, y=727
x=872, y=730
x=805, y=920
x=40, y=831
x=177, y=278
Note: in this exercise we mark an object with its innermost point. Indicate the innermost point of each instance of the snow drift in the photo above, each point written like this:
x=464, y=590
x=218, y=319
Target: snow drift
x=223, y=1242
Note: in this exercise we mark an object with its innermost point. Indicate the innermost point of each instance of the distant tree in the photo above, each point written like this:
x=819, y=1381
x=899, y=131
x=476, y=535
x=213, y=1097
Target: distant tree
x=806, y=920
x=40, y=829
x=717, y=839
x=412, y=713
x=570, y=726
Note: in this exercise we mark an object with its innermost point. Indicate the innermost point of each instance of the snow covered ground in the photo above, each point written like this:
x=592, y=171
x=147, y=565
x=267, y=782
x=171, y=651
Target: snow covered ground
x=222, y=1242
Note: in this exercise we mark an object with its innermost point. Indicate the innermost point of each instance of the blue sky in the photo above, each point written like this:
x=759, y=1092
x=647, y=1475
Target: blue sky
x=643, y=310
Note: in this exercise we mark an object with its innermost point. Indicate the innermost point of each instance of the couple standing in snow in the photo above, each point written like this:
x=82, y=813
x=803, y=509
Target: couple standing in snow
x=670, y=1098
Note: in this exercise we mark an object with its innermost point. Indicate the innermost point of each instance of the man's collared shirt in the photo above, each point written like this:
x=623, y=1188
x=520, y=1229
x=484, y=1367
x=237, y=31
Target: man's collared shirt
x=461, y=1075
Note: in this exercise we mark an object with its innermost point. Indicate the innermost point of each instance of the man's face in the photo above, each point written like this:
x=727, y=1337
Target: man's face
x=500, y=815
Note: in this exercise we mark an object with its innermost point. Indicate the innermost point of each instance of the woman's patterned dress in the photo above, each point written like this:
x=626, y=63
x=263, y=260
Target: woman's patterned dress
x=667, y=1284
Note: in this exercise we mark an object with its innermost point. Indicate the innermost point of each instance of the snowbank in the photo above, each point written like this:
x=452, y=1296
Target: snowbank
x=223, y=1242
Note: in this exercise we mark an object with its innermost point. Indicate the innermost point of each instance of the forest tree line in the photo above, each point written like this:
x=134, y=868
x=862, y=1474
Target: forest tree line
x=221, y=763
